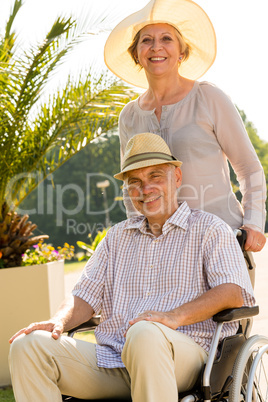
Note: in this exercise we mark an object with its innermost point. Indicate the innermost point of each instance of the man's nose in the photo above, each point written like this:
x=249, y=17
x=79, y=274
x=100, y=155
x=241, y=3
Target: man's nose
x=146, y=188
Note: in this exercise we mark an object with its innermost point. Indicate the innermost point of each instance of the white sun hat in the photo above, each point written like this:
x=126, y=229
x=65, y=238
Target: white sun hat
x=186, y=16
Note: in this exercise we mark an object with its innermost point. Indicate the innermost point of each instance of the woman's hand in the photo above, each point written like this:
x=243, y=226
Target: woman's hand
x=55, y=327
x=255, y=239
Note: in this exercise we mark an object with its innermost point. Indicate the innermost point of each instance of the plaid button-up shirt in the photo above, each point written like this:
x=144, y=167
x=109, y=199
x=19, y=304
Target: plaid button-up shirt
x=133, y=271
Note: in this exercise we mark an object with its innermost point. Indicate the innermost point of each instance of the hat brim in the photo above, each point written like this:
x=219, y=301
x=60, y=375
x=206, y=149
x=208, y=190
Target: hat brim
x=188, y=17
x=143, y=164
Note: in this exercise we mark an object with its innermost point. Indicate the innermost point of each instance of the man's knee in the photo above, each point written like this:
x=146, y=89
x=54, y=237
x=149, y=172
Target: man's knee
x=143, y=339
x=26, y=345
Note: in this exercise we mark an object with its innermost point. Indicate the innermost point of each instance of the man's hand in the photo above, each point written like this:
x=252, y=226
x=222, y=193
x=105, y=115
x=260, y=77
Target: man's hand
x=255, y=239
x=167, y=318
x=55, y=327
x=73, y=312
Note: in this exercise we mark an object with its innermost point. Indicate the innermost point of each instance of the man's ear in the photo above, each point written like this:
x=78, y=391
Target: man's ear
x=178, y=174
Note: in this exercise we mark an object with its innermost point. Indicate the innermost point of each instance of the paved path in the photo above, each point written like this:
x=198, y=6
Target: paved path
x=260, y=325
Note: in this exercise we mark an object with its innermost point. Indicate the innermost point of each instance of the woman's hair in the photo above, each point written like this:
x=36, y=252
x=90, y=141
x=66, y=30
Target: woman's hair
x=185, y=47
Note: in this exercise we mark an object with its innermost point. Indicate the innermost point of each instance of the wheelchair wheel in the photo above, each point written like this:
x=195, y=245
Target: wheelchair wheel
x=250, y=372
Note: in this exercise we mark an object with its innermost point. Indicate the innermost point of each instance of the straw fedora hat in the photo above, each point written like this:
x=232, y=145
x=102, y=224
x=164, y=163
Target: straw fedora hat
x=145, y=150
x=186, y=16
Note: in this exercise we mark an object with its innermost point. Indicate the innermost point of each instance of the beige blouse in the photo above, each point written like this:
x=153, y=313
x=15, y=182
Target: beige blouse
x=204, y=130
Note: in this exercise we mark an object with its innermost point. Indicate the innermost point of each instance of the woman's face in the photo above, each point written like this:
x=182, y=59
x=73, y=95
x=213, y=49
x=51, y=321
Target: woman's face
x=158, y=49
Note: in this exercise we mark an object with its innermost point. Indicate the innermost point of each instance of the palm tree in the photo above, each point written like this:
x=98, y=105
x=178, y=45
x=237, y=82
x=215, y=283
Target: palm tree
x=37, y=136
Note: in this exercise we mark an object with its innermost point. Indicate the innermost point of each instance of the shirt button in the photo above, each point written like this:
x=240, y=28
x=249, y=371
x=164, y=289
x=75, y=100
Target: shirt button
x=148, y=293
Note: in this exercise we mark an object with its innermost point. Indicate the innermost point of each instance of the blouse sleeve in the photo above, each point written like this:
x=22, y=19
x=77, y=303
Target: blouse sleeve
x=235, y=143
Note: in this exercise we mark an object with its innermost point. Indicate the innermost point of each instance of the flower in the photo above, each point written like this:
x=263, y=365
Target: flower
x=43, y=253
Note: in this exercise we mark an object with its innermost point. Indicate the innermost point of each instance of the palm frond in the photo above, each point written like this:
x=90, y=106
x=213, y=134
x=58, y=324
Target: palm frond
x=59, y=132
x=36, y=135
x=8, y=41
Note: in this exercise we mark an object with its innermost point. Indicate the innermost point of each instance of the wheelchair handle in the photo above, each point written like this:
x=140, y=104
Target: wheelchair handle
x=241, y=236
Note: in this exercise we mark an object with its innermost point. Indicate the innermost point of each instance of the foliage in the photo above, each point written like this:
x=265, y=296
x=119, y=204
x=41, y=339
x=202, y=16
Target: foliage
x=90, y=248
x=16, y=236
x=42, y=253
x=37, y=136
x=98, y=161
x=2, y=264
x=40, y=133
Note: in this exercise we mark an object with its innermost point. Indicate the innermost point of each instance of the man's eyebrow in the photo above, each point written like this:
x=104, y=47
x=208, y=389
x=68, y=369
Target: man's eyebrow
x=132, y=177
x=149, y=174
x=157, y=171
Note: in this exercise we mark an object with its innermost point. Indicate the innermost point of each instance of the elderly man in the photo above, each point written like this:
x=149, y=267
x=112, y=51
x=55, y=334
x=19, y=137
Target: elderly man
x=157, y=279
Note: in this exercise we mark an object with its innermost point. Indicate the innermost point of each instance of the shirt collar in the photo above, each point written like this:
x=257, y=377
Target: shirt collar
x=179, y=218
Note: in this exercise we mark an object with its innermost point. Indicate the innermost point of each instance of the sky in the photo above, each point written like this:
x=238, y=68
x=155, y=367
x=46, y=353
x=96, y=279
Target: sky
x=241, y=28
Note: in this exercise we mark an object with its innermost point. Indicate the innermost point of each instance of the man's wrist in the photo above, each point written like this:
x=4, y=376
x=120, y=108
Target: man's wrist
x=176, y=317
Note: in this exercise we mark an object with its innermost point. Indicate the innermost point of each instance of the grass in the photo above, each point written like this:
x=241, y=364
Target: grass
x=73, y=266
x=6, y=395
x=87, y=336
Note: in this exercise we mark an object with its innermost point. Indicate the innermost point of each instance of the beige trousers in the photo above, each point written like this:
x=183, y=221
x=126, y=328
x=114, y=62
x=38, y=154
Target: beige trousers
x=159, y=361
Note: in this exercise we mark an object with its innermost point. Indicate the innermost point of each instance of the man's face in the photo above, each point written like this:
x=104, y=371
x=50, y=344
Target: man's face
x=153, y=190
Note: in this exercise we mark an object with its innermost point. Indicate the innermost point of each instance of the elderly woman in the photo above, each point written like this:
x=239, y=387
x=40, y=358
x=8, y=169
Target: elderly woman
x=165, y=48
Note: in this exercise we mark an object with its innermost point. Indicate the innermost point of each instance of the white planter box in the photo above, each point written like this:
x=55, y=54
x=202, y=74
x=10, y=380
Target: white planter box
x=27, y=294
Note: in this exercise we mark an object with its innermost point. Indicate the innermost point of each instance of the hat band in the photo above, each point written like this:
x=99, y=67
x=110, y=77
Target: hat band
x=146, y=156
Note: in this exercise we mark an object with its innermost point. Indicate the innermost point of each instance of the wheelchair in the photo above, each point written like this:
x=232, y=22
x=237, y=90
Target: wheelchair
x=237, y=367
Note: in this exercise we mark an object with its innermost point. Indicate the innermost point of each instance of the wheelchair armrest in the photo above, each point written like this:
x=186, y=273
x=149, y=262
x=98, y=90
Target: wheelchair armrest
x=234, y=314
x=86, y=326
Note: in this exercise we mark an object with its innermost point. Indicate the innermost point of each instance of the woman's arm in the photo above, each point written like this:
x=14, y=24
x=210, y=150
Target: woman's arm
x=235, y=143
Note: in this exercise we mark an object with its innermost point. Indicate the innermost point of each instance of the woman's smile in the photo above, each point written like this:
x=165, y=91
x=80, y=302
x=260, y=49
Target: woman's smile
x=155, y=59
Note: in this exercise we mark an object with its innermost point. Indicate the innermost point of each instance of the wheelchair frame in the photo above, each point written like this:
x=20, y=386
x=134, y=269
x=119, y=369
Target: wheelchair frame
x=223, y=378
x=233, y=376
